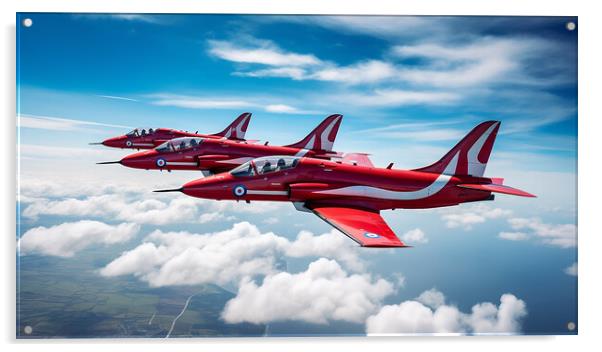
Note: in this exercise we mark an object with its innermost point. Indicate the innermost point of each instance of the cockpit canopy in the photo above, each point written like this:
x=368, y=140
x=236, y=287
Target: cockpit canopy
x=141, y=132
x=178, y=144
x=265, y=165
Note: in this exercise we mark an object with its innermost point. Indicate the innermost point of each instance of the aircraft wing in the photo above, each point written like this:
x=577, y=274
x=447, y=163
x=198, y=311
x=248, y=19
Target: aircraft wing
x=357, y=159
x=365, y=227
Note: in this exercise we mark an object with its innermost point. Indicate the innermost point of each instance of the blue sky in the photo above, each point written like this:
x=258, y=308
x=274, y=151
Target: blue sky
x=409, y=88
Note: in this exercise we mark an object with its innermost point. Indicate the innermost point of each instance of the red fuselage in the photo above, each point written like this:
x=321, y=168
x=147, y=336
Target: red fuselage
x=327, y=182
x=150, y=140
x=209, y=154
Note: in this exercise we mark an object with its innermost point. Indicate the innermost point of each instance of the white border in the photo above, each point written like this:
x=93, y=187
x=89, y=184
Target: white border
x=589, y=161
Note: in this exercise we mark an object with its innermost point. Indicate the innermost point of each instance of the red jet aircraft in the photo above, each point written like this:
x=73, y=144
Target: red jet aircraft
x=212, y=155
x=349, y=194
x=143, y=138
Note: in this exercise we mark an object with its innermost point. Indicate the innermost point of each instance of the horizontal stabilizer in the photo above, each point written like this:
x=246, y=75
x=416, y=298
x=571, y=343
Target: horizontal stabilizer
x=497, y=189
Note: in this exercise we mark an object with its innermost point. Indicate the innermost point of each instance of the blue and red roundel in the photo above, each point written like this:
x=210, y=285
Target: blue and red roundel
x=239, y=190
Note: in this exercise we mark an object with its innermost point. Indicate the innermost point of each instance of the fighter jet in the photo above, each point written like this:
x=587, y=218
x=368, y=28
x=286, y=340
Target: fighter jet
x=148, y=138
x=350, y=193
x=213, y=155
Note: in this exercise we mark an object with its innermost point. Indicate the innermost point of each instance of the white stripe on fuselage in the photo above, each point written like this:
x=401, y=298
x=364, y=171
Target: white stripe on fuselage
x=379, y=193
x=268, y=193
x=180, y=163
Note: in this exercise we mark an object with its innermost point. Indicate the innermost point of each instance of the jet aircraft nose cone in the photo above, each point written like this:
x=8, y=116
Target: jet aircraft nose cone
x=140, y=160
x=115, y=142
x=201, y=188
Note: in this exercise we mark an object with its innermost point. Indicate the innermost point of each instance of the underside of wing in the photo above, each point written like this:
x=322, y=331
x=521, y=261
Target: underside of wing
x=365, y=227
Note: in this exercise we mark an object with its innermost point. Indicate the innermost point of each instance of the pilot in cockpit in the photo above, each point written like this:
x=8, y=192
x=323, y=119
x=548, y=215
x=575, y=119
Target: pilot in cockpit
x=193, y=143
x=143, y=132
x=150, y=131
x=267, y=167
x=281, y=165
x=182, y=145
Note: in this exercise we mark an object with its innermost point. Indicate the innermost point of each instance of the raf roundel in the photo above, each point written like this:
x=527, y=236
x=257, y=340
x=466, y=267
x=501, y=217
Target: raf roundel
x=371, y=235
x=160, y=162
x=239, y=190
x=128, y=143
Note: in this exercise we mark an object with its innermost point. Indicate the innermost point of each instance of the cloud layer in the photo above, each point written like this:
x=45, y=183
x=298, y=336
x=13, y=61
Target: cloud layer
x=225, y=257
x=561, y=235
x=322, y=293
x=468, y=216
x=429, y=314
x=66, y=239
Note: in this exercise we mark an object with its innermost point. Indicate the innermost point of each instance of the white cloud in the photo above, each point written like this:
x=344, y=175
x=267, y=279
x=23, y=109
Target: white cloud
x=418, y=131
x=399, y=97
x=487, y=318
x=135, y=17
x=122, y=201
x=571, y=270
x=114, y=97
x=400, y=280
x=66, y=239
x=414, y=236
x=360, y=73
x=561, y=235
x=434, y=316
x=331, y=244
x=59, y=124
x=114, y=206
x=467, y=217
x=214, y=216
x=182, y=258
x=53, y=152
x=389, y=27
x=202, y=103
x=259, y=52
x=63, y=186
x=432, y=298
x=489, y=60
x=364, y=72
x=322, y=293
x=513, y=236
x=295, y=73
x=129, y=17
x=475, y=64
x=287, y=109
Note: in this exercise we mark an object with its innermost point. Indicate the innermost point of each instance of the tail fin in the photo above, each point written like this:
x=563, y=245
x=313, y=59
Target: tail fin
x=471, y=154
x=322, y=137
x=237, y=129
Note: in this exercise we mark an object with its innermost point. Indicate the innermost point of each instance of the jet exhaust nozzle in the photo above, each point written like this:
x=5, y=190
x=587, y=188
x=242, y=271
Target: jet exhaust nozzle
x=109, y=162
x=168, y=190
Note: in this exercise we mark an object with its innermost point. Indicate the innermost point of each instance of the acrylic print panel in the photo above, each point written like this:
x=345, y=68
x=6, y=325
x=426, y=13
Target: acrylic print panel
x=169, y=100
